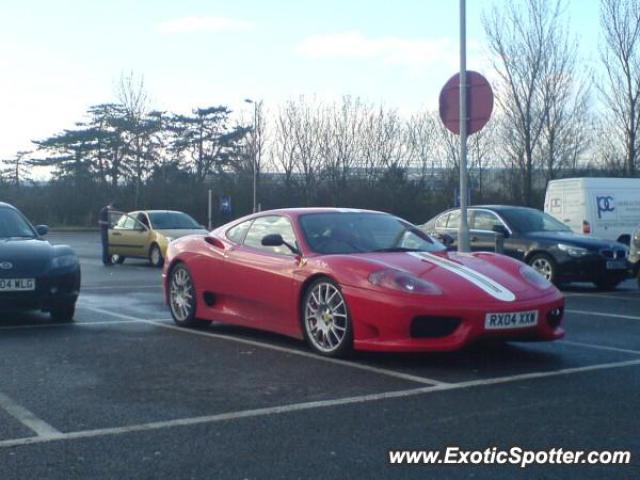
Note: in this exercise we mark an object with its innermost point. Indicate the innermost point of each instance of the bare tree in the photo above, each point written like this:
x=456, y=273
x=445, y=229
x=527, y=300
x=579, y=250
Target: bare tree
x=620, y=22
x=529, y=43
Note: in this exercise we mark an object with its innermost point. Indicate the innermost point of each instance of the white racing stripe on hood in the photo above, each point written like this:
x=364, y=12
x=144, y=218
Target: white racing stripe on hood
x=481, y=281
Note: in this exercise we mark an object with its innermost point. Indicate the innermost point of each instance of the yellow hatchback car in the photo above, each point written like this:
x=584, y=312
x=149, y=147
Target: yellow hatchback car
x=146, y=234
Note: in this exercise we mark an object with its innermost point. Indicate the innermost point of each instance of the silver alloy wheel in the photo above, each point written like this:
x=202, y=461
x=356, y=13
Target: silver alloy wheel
x=181, y=294
x=326, y=317
x=156, y=256
x=543, y=267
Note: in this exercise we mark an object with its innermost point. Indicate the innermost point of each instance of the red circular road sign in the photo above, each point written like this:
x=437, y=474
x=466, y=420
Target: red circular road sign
x=479, y=102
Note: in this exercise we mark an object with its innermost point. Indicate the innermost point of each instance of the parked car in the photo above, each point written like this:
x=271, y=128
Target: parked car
x=146, y=234
x=345, y=279
x=634, y=254
x=607, y=208
x=35, y=275
x=540, y=240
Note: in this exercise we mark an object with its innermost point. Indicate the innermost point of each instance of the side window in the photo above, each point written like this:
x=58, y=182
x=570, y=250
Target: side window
x=454, y=219
x=129, y=223
x=484, y=220
x=142, y=218
x=236, y=234
x=441, y=221
x=268, y=225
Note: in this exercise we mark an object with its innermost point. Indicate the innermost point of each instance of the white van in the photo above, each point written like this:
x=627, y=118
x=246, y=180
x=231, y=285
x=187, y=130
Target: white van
x=607, y=208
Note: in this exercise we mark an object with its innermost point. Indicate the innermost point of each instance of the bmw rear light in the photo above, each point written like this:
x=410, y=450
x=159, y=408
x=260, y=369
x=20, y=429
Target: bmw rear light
x=586, y=227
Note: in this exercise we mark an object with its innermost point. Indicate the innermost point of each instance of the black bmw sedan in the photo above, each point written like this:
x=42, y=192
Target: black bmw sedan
x=33, y=273
x=540, y=240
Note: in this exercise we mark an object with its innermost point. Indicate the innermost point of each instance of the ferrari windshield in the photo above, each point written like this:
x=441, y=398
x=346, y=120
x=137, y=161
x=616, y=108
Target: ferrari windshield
x=527, y=220
x=172, y=221
x=13, y=225
x=358, y=232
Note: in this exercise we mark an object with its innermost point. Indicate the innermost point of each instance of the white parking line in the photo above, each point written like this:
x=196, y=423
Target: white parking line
x=120, y=287
x=602, y=314
x=599, y=347
x=335, y=361
x=69, y=324
x=296, y=407
x=27, y=418
x=598, y=295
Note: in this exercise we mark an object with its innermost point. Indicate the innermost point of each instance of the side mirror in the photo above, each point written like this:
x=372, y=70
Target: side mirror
x=447, y=239
x=42, y=229
x=501, y=230
x=272, y=240
x=276, y=240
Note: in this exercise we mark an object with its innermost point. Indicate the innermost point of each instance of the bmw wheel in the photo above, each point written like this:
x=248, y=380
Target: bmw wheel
x=326, y=319
x=544, y=265
x=182, y=298
x=155, y=256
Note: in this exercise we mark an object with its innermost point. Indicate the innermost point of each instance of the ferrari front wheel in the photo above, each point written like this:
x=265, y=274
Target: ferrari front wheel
x=326, y=319
x=182, y=298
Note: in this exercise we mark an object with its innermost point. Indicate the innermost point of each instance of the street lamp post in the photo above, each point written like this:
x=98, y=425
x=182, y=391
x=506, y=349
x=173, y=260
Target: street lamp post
x=255, y=148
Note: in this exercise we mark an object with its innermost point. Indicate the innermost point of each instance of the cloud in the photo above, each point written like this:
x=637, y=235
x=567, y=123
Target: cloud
x=204, y=24
x=412, y=53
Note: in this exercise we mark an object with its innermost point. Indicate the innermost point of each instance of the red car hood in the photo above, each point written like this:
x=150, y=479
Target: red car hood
x=483, y=276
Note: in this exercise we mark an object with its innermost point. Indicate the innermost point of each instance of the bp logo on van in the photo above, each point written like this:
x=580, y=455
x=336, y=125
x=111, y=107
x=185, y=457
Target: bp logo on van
x=605, y=204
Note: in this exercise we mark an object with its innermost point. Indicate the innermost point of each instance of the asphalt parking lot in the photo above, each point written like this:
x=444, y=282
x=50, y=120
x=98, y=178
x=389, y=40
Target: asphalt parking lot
x=122, y=393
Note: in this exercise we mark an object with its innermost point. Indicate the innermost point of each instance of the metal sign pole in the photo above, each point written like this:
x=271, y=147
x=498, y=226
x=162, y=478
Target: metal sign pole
x=210, y=209
x=463, y=231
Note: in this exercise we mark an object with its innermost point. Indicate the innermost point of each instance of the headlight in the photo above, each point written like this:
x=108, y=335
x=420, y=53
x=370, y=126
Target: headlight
x=534, y=278
x=403, y=281
x=573, y=251
x=64, y=261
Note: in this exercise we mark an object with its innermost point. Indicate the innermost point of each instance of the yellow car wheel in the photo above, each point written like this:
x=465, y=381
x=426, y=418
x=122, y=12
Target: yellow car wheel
x=155, y=256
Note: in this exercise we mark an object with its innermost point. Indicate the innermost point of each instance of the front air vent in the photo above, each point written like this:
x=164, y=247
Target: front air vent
x=433, y=327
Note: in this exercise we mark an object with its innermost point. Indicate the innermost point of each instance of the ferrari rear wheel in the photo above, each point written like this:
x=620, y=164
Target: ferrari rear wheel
x=182, y=298
x=326, y=319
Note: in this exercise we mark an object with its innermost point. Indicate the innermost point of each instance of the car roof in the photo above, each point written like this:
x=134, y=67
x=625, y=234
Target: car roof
x=155, y=211
x=305, y=210
x=8, y=205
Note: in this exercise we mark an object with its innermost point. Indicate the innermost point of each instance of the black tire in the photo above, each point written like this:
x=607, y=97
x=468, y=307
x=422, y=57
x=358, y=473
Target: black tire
x=155, y=256
x=607, y=284
x=119, y=259
x=335, y=319
x=63, y=313
x=545, y=265
x=183, y=311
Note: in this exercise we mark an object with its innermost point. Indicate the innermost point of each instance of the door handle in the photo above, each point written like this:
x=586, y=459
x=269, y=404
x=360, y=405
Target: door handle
x=117, y=234
x=474, y=239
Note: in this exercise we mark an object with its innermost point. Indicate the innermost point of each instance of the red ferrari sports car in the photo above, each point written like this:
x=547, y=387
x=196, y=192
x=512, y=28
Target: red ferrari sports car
x=344, y=279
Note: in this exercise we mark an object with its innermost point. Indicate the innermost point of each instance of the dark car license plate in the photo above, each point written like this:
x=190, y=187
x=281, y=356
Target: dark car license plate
x=616, y=264
x=17, y=284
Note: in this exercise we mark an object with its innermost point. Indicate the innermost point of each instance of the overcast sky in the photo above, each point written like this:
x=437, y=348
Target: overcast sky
x=58, y=57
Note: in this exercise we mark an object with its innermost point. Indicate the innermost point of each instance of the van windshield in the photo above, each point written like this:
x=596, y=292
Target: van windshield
x=527, y=220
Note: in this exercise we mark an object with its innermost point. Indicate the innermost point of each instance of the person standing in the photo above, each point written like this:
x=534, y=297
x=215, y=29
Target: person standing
x=103, y=221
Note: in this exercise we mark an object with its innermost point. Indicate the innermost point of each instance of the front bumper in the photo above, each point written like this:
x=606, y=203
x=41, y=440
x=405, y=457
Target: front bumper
x=589, y=268
x=384, y=322
x=51, y=290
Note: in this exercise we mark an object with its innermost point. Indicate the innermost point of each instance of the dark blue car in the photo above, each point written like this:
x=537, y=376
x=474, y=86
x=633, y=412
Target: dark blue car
x=540, y=240
x=35, y=275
